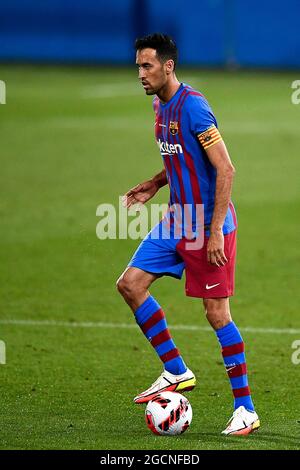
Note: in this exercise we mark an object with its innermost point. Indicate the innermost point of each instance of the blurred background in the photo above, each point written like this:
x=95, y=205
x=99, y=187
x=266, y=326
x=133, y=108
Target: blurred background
x=77, y=131
x=208, y=32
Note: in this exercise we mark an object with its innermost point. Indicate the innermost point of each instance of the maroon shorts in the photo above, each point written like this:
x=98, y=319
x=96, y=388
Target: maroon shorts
x=204, y=279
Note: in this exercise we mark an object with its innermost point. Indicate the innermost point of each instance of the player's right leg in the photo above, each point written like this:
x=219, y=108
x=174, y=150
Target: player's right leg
x=133, y=285
x=151, y=261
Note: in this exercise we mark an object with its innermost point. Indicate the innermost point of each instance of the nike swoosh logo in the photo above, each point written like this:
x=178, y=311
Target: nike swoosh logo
x=229, y=368
x=210, y=287
x=162, y=125
x=176, y=380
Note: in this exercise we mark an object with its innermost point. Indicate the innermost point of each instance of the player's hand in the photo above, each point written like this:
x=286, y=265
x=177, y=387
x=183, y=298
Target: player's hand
x=140, y=194
x=215, y=249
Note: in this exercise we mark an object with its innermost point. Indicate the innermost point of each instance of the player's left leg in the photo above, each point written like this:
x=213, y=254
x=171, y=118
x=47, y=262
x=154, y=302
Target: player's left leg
x=244, y=419
x=215, y=284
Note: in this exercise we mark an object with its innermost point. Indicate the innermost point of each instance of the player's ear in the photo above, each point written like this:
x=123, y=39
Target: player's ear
x=169, y=66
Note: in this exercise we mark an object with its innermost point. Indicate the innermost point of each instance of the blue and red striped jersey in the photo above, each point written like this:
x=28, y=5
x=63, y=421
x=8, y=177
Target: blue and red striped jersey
x=190, y=174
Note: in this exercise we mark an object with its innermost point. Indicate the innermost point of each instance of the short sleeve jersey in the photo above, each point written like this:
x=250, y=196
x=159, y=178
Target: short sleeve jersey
x=185, y=127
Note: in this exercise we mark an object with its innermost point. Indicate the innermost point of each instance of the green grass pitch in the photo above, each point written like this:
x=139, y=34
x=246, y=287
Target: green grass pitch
x=73, y=138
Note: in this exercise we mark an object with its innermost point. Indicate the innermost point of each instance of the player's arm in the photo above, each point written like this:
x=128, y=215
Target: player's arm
x=217, y=153
x=146, y=190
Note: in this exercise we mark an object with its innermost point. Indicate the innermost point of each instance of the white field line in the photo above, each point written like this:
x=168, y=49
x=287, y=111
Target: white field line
x=104, y=325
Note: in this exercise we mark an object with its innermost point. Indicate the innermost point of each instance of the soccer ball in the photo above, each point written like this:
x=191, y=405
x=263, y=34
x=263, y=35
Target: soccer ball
x=168, y=414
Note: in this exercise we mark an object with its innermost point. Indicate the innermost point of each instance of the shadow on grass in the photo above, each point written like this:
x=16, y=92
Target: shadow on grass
x=279, y=440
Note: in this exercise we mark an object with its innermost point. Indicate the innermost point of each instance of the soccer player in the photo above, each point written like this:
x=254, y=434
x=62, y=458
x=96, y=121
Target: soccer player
x=199, y=172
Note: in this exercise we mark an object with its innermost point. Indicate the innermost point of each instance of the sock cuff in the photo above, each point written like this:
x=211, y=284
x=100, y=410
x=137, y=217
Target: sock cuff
x=146, y=310
x=229, y=334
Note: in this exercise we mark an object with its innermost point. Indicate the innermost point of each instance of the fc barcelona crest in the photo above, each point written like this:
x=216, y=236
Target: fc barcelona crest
x=173, y=127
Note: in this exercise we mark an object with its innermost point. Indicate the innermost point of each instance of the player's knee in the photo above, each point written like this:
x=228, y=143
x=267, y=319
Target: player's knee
x=122, y=285
x=217, y=321
x=217, y=312
x=126, y=286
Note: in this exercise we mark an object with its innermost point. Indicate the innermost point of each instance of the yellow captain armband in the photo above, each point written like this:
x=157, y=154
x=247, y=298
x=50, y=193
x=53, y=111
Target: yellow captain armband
x=209, y=137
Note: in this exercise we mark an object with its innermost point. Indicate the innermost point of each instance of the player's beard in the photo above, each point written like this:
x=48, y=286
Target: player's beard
x=150, y=92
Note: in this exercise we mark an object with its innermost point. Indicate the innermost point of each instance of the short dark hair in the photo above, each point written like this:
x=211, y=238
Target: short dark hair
x=163, y=44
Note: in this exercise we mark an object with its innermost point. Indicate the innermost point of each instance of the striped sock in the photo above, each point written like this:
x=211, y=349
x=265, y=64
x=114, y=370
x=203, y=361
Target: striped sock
x=151, y=319
x=235, y=362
